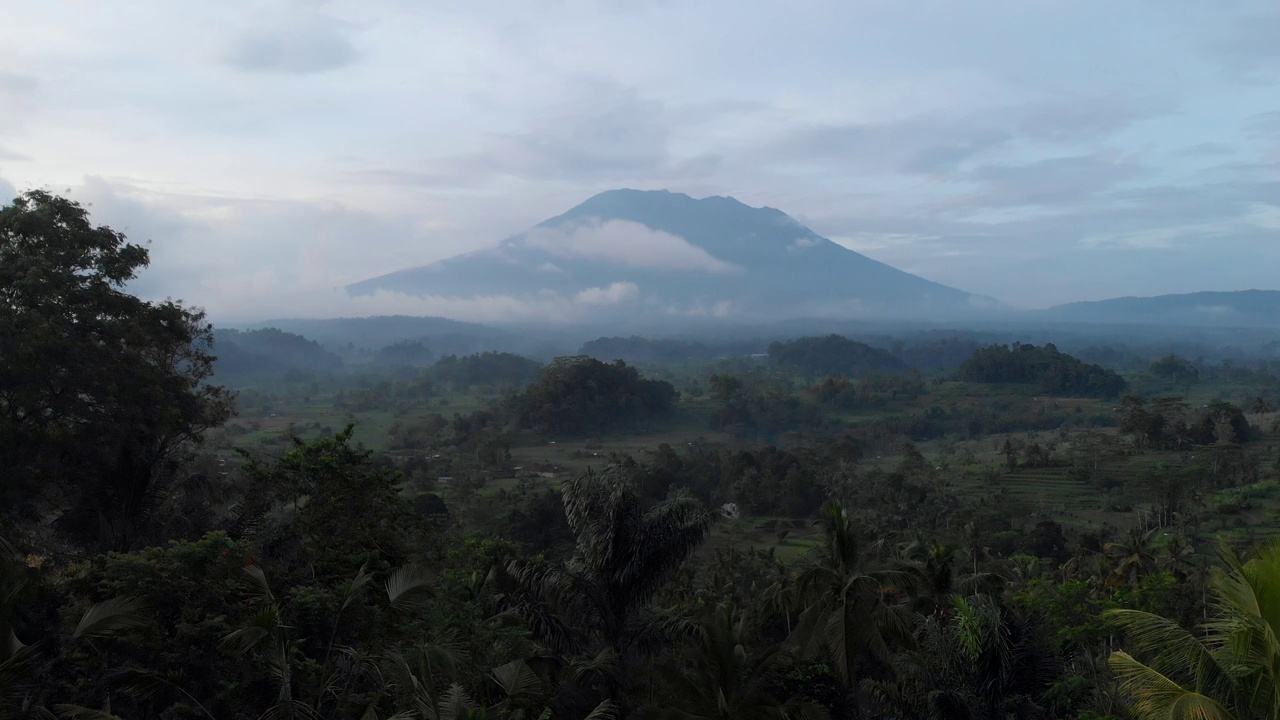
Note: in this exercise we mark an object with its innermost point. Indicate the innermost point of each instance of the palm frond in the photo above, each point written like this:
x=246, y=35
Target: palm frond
x=262, y=626
x=290, y=710
x=606, y=710
x=805, y=711
x=79, y=712
x=669, y=534
x=455, y=703
x=1171, y=649
x=145, y=684
x=409, y=586
x=256, y=582
x=602, y=665
x=517, y=679
x=445, y=653
x=111, y=617
x=352, y=590
x=1157, y=696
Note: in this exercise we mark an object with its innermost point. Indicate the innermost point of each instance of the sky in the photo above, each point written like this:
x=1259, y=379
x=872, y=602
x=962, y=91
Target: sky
x=1035, y=151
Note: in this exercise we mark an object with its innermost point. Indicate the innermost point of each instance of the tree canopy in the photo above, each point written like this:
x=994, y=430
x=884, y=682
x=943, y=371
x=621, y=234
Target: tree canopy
x=581, y=395
x=98, y=388
x=1054, y=372
x=832, y=355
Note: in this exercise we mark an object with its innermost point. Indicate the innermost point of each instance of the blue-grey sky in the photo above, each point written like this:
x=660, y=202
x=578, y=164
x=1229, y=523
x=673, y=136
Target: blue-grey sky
x=1034, y=151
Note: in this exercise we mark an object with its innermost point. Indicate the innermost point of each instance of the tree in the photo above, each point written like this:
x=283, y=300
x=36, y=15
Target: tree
x=597, y=604
x=980, y=660
x=832, y=355
x=344, y=508
x=100, y=391
x=853, y=614
x=720, y=679
x=1260, y=406
x=1227, y=670
x=581, y=395
x=1053, y=371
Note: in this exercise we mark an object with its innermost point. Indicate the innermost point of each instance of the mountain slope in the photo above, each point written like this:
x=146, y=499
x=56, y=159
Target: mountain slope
x=631, y=253
x=1244, y=308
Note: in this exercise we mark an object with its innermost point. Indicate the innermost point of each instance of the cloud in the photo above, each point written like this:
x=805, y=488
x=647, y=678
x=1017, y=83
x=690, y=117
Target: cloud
x=1249, y=48
x=1053, y=181
x=1265, y=125
x=1208, y=149
x=802, y=243
x=18, y=94
x=976, y=148
x=541, y=307
x=623, y=242
x=601, y=132
x=615, y=293
x=300, y=46
x=938, y=143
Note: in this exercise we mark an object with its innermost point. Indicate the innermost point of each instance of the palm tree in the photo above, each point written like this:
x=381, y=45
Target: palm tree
x=932, y=566
x=600, y=598
x=720, y=679
x=1134, y=557
x=1229, y=672
x=268, y=636
x=982, y=660
x=1260, y=406
x=519, y=684
x=853, y=614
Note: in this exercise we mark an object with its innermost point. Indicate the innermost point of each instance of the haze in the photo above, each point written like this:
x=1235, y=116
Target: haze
x=1036, y=153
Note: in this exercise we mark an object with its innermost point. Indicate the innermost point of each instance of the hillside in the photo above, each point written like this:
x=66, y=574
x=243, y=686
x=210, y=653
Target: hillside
x=1245, y=308
x=642, y=255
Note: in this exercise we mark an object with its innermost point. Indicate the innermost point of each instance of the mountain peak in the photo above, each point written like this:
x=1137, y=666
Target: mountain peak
x=636, y=253
x=622, y=202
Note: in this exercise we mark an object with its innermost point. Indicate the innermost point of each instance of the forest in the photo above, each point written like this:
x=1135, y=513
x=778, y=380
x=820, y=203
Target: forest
x=249, y=523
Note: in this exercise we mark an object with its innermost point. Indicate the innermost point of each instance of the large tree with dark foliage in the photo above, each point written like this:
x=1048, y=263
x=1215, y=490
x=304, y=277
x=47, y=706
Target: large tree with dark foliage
x=581, y=395
x=1054, y=372
x=99, y=390
x=832, y=355
x=486, y=368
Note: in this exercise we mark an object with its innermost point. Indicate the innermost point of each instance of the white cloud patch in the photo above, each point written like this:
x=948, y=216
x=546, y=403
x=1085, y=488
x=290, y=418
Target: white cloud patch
x=1215, y=309
x=802, y=243
x=1265, y=216
x=702, y=308
x=615, y=293
x=626, y=243
x=550, y=267
x=541, y=307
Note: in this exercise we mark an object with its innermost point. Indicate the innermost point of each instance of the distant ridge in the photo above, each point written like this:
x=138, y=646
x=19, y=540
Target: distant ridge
x=658, y=255
x=378, y=331
x=1242, y=308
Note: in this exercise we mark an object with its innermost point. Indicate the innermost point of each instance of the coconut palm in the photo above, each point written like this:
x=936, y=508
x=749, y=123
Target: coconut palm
x=720, y=679
x=1134, y=557
x=1229, y=670
x=519, y=685
x=982, y=660
x=932, y=566
x=852, y=614
x=624, y=554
